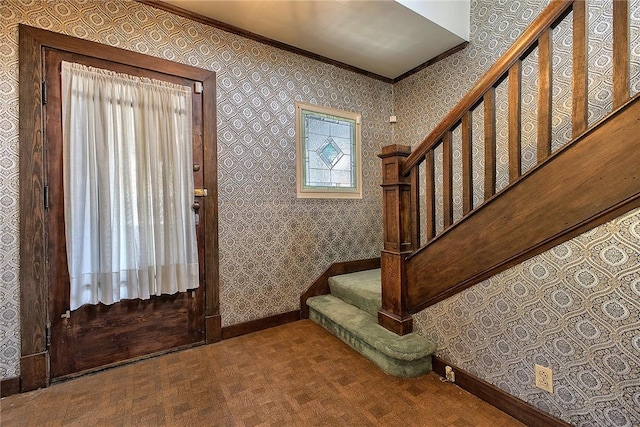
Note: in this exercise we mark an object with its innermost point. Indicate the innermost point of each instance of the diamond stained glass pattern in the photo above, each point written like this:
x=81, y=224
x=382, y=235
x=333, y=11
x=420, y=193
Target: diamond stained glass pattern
x=330, y=153
x=328, y=148
x=325, y=166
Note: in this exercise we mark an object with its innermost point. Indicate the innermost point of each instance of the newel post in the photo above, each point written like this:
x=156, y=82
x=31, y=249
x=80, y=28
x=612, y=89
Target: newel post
x=396, y=203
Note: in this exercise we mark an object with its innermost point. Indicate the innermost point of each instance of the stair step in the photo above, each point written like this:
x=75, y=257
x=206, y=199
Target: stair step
x=402, y=356
x=362, y=289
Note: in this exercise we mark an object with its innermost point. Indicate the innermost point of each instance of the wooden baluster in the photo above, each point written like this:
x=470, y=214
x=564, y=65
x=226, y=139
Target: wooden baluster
x=415, y=208
x=580, y=75
x=467, y=164
x=430, y=190
x=490, y=143
x=447, y=178
x=545, y=69
x=515, y=128
x=396, y=203
x=620, y=52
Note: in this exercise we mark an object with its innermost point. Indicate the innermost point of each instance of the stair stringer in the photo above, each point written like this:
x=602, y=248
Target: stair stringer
x=591, y=180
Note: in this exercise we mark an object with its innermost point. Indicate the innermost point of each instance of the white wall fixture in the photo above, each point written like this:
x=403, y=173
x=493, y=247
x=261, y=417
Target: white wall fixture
x=544, y=378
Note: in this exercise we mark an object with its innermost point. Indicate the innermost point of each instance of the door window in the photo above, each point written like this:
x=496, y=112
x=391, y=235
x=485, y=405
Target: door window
x=128, y=186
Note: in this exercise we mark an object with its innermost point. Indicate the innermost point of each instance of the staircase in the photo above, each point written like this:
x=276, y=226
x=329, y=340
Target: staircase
x=350, y=312
x=427, y=257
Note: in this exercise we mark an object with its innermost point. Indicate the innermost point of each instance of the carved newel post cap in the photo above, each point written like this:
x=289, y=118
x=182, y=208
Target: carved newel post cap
x=395, y=150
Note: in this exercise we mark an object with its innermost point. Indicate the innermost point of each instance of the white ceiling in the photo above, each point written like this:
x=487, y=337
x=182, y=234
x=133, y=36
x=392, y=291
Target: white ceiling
x=384, y=37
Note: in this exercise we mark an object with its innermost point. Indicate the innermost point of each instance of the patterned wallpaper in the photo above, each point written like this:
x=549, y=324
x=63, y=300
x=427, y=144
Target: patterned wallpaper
x=272, y=245
x=575, y=308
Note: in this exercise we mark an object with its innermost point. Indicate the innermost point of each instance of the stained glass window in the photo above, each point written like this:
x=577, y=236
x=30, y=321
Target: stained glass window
x=328, y=152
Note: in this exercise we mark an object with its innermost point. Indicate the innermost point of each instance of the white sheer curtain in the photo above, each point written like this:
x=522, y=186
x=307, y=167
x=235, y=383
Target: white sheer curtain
x=128, y=185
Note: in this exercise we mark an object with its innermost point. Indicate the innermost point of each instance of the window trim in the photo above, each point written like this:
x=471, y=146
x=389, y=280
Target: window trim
x=326, y=192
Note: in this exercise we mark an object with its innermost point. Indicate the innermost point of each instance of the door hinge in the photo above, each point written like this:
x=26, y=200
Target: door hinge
x=46, y=197
x=44, y=93
x=48, y=336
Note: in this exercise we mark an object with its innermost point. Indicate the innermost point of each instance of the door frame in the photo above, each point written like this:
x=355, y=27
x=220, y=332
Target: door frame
x=33, y=278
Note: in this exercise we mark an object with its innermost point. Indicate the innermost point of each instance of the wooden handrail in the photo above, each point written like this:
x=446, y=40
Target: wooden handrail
x=421, y=268
x=594, y=181
x=554, y=12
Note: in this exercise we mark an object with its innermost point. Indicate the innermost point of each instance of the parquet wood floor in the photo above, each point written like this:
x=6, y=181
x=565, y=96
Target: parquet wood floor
x=293, y=375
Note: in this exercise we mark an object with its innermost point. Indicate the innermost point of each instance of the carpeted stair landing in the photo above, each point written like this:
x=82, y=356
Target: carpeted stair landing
x=350, y=312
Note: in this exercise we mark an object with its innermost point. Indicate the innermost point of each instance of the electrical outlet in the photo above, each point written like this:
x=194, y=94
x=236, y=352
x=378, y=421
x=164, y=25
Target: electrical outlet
x=544, y=378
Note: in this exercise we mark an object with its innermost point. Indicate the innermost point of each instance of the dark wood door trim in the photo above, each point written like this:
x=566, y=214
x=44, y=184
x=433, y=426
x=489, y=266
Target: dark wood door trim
x=33, y=272
x=213, y=321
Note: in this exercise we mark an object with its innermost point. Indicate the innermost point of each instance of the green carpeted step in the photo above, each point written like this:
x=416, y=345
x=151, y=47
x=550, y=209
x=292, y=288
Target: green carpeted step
x=406, y=356
x=362, y=289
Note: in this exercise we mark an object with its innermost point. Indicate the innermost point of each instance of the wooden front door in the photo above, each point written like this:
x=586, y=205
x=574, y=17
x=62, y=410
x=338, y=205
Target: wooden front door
x=99, y=335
